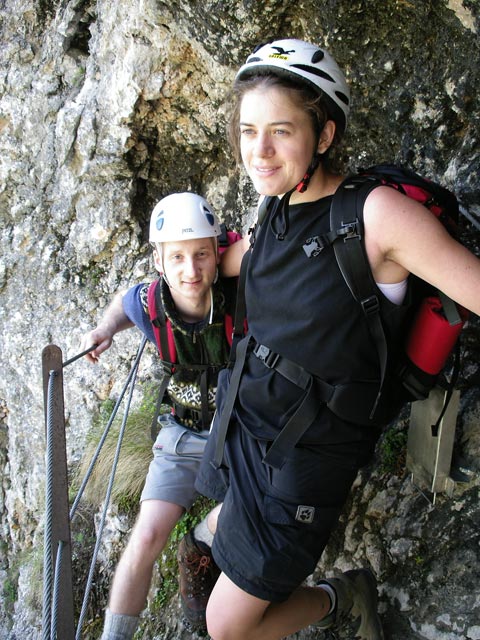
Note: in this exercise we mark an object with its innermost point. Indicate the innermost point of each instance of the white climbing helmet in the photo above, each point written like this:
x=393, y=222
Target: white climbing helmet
x=300, y=60
x=183, y=216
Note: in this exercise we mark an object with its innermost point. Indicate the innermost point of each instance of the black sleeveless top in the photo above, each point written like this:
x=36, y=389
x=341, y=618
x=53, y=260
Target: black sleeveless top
x=301, y=308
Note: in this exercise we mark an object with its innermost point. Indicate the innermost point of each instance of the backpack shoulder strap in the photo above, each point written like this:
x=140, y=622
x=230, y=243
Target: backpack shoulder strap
x=226, y=238
x=165, y=344
x=239, y=323
x=240, y=317
x=161, y=325
x=265, y=207
x=346, y=221
x=229, y=286
x=223, y=240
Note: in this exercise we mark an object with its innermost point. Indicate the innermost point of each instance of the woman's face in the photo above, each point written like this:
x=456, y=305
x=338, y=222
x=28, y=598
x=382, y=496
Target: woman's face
x=277, y=139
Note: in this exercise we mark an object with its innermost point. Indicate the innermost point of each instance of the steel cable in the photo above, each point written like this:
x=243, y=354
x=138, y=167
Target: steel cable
x=56, y=594
x=88, y=473
x=47, y=542
x=131, y=379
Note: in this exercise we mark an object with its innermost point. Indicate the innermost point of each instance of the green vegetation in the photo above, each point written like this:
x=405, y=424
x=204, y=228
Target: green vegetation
x=9, y=592
x=33, y=559
x=393, y=451
x=134, y=458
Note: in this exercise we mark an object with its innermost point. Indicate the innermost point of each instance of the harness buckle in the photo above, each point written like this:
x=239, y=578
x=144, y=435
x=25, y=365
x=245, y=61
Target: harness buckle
x=266, y=355
x=168, y=368
x=350, y=231
x=370, y=305
x=313, y=246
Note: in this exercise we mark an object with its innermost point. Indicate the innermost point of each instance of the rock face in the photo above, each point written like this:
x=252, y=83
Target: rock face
x=107, y=106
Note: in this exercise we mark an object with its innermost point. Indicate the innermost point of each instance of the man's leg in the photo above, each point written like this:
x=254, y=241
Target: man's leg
x=133, y=575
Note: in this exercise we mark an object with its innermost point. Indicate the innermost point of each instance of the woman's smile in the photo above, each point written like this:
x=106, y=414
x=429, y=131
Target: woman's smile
x=276, y=138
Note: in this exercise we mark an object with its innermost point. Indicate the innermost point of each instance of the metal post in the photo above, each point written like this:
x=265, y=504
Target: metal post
x=64, y=628
x=429, y=451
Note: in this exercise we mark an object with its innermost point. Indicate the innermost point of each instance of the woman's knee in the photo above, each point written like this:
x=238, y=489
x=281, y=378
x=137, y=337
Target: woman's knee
x=220, y=624
x=220, y=628
x=232, y=614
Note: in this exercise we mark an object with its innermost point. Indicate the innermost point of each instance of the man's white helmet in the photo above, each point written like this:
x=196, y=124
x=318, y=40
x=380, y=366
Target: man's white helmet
x=183, y=216
x=303, y=62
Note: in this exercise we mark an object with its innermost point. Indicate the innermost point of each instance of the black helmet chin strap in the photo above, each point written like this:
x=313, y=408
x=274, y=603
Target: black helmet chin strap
x=281, y=210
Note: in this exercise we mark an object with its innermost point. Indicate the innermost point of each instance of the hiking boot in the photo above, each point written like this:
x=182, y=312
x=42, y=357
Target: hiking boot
x=356, y=605
x=198, y=574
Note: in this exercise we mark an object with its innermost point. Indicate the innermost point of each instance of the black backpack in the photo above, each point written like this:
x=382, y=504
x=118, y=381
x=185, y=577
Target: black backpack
x=436, y=320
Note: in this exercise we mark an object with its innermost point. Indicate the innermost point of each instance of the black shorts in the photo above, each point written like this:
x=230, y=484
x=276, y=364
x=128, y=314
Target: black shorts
x=274, y=524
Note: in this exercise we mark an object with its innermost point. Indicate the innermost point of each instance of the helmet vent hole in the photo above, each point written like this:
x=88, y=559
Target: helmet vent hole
x=341, y=96
x=318, y=56
x=210, y=218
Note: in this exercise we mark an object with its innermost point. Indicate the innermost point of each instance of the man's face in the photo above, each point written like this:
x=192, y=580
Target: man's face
x=189, y=266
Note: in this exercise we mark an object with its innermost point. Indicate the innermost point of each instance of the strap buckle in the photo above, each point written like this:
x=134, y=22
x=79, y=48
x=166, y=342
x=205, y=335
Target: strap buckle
x=313, y=246
x=168, y=368
x=370, y=305
x=266, y=355
x=350, y=230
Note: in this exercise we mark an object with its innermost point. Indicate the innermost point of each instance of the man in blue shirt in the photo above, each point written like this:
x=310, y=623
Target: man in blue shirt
x=184, y=232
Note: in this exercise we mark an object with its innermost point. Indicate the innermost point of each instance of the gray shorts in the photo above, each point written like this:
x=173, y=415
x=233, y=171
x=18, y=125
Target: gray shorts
x=177, y=454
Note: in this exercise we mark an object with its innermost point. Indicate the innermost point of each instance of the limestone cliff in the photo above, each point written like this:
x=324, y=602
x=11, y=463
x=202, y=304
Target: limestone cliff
x=107, y=106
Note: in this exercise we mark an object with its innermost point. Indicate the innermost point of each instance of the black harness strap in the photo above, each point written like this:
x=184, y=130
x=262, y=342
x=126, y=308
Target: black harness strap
x=317, y=392
x=346, y=218
x=155, y=426
x=161, y=322
x=241, y=352
x=240, y=307
x=204, y=398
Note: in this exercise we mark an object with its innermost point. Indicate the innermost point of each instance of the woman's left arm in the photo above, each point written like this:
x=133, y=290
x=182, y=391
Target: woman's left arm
x=400, y=232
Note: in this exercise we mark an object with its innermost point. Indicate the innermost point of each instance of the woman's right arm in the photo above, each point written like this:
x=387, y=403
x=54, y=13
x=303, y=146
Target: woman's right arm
x=231, y=258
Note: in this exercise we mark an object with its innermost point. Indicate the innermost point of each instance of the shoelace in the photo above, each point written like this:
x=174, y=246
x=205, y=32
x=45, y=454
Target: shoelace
x=202, y=561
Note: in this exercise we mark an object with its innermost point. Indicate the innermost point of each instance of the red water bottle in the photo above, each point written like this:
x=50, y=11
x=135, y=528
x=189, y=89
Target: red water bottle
x=432, y=337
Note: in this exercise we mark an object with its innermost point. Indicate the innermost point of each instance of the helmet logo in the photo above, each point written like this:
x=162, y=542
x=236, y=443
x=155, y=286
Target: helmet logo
x=187, y=230
x=281, y=53
x=209, y=216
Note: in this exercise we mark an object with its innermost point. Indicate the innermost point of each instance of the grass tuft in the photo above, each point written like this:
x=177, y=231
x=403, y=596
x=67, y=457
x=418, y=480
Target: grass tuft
x=134, y=458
